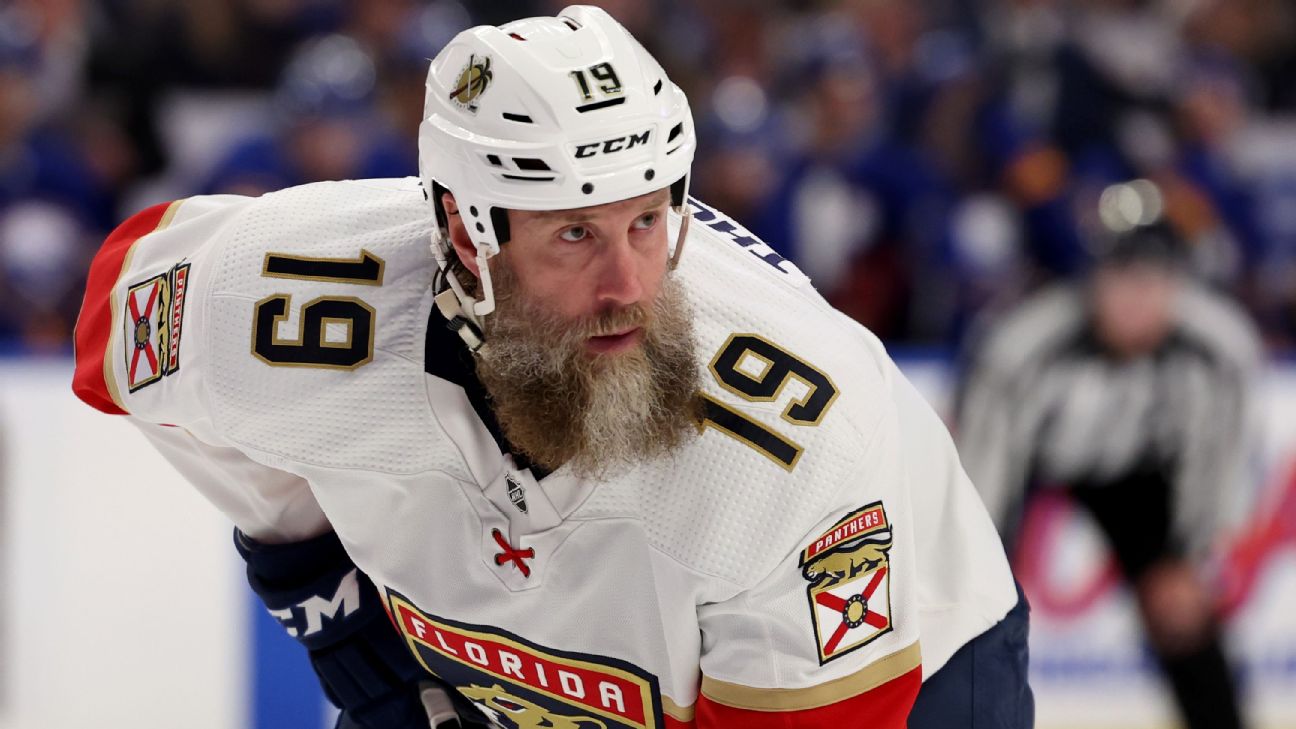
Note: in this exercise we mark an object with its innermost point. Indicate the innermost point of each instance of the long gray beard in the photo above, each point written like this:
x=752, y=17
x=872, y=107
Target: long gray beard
x=558, y=404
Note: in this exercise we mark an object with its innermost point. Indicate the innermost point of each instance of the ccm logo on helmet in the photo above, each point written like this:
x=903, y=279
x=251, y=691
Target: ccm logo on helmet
x=615, y=144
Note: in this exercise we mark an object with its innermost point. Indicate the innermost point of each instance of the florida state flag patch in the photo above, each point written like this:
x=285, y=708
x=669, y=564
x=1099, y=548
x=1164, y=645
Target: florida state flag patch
x=146, y=332
x=848, y=569
x=152, y=320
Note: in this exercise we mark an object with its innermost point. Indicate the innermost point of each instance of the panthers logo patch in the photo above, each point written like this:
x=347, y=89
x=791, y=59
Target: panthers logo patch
x=848, y=569
x=507, y=710
x=473, y=81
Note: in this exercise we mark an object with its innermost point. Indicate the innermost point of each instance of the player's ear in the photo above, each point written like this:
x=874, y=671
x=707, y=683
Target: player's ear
x=459, y=240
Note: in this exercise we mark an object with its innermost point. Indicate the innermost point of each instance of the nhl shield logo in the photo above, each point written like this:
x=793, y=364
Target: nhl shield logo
x=516, y=493
x=848, y=569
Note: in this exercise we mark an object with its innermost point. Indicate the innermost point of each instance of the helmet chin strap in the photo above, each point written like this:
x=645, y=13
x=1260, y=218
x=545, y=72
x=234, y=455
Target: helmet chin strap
x=460, y=310
x=686, y=214
x=487, y=302
x=458, y=319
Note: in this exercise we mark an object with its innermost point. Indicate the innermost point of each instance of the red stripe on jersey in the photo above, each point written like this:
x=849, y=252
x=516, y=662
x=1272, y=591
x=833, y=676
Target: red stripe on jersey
x=95, y=324
x=884, y=707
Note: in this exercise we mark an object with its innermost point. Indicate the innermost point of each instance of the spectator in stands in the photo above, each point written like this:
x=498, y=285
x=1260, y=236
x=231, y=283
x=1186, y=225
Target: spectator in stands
x=60, y=175
x=856, y=207
x=44, y=250
x=936, y=126
x=402, y=68
x=1211, y=112
x=329, y=127
x=38, y=158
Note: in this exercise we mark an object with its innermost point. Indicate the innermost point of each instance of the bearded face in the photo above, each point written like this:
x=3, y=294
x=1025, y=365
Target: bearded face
x=560, y=403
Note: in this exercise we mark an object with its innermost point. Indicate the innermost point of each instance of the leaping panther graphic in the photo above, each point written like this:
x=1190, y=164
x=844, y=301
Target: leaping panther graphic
x=511, y=712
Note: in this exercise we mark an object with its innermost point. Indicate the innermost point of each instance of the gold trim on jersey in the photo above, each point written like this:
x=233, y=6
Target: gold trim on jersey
x=349, y=324
x=760, y=376
x=773, y=699
x=811, y=388
x=365, y=255
x=677, y=712
x=434, y=640
x=114, y=308
x=300, y=339
x=169, y=215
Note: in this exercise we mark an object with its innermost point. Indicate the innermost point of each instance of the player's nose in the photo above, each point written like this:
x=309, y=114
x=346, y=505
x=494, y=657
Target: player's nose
x=621, y=274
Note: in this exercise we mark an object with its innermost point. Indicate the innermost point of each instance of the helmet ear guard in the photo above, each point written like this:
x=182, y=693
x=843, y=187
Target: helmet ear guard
x=548, y=113
x=454, y=301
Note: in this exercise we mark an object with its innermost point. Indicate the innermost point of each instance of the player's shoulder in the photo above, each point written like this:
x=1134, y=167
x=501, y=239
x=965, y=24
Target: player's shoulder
x=303, y=327
x=792, y=395
x=717, y=241
x=314, y=326
x=290, y=208
x=741, y=289
x=232, y=234
x=361, y=240
x=319, y=218
x=766, y=335
x=760, y=478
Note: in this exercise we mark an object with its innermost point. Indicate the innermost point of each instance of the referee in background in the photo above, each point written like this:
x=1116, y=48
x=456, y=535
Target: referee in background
x=1131, y=391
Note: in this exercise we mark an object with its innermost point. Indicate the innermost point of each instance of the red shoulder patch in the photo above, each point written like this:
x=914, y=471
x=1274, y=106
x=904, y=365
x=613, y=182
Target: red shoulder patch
x=95, y=323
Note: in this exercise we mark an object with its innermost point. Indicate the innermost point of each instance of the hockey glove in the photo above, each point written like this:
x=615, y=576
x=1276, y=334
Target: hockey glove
x=324, y=601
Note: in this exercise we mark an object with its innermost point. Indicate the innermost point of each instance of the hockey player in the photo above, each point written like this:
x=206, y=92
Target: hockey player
x=597, y=457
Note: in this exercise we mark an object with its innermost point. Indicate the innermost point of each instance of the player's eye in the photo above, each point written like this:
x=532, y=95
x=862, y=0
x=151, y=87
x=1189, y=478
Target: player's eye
x=646, y=221
x=574, y=234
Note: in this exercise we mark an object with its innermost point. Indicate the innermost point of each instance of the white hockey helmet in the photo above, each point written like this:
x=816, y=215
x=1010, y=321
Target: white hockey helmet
x=546, y=113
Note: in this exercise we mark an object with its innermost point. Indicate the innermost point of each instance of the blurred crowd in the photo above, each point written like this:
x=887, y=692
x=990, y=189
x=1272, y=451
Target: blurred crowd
x=925, y=161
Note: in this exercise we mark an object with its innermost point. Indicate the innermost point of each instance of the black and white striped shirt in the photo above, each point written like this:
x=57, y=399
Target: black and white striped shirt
x=1042, y=404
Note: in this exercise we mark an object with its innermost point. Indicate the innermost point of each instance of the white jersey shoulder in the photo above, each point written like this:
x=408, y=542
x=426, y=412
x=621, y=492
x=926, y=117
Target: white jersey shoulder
x=305, y=320
x=794, y=394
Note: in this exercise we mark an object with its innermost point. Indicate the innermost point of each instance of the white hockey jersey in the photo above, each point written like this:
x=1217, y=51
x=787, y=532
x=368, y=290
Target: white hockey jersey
x=804, y=561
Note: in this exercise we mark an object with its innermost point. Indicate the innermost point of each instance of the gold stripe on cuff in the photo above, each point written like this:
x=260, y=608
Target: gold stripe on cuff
x=812, y=697
x=677, y=712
